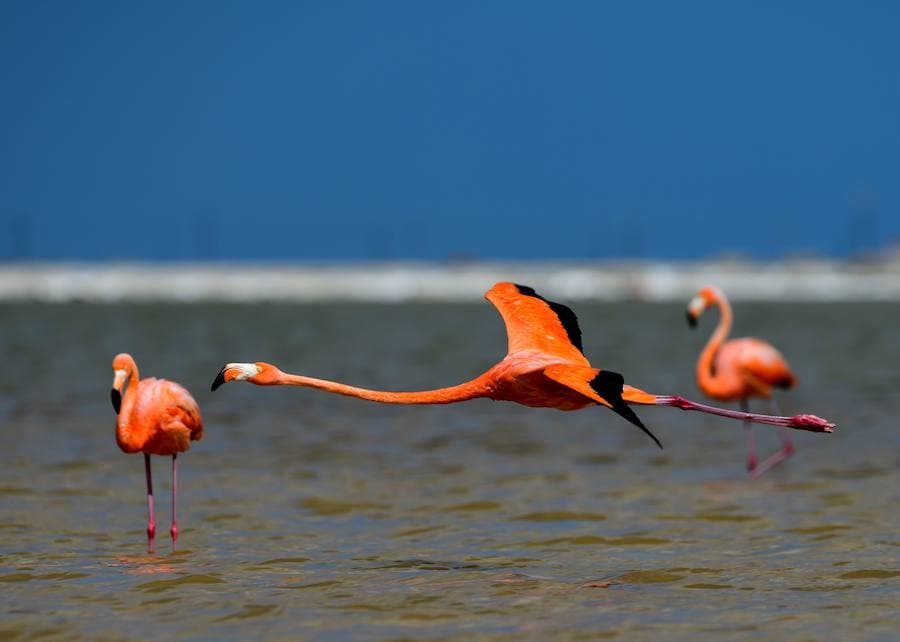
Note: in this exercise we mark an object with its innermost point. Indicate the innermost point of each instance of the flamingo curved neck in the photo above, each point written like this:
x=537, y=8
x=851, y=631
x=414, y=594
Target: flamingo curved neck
x=128, y=441
x=478, y=387
x=706, y=375
x=132, y=379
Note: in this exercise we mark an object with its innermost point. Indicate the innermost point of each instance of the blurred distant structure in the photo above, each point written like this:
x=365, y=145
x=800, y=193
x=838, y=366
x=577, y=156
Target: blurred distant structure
x=205, y=235
x=460, y=280
x=21, y=239
x=862, y=225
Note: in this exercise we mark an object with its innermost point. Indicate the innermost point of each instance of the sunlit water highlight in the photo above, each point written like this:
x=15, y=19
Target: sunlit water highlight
x=305, y=515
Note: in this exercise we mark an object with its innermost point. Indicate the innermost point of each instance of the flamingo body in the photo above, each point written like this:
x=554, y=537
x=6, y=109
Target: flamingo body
x=745, y=368
x=544, y=367
x=160, y=418
x=154, y=417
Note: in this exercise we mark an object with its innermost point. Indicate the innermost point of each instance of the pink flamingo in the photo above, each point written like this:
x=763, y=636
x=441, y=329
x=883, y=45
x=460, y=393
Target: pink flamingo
x=544, y=368
x=155, y=417
x=739, y=369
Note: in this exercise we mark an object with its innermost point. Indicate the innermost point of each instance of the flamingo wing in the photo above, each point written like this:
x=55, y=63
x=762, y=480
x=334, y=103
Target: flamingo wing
x=757, y=363
x=183, y=409
x=534, y=323
x=602, y=386
x=765, y=362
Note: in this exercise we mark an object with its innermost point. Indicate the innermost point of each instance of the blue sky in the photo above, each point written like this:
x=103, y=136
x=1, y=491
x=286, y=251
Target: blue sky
x=355, y=130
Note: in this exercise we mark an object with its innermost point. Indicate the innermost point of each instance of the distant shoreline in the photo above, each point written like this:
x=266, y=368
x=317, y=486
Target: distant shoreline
x=396, y=281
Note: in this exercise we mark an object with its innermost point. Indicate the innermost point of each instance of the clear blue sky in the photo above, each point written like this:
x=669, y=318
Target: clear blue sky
x=350, y=130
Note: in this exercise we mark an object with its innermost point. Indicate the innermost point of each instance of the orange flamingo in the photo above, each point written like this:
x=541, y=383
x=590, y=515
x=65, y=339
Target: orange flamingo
x=544, y=368
x=739, y=369
x=155, y=417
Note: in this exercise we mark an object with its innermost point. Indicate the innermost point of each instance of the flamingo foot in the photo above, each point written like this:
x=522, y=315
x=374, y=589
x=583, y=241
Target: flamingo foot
x=811, y=423
x=751, y=464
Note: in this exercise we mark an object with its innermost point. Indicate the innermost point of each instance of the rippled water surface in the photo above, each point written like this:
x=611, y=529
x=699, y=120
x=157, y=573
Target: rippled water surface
x=310, y=516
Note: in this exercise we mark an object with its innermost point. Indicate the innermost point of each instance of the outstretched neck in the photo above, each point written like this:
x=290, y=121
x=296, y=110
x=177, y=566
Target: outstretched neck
x=706, y=375
x=478, y=387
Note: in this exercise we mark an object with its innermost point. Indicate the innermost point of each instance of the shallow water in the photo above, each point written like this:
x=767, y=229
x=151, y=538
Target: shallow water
x=310, y=516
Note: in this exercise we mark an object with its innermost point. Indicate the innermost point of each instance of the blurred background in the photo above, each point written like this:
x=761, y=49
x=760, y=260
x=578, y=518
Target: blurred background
x=336, y=131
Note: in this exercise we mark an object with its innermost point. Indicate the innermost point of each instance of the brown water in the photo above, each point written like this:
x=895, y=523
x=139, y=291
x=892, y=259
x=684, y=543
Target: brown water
x=310, y=516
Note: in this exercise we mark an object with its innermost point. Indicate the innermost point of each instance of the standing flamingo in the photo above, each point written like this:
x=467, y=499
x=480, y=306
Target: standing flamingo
x=739, y=369
x=155, y=417
x=544, y=368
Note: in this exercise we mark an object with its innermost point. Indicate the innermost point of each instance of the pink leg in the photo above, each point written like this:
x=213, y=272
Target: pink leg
x=752, y=459
x=151, y=520
x=174, y=530
x=787, y=449
x=799, y=422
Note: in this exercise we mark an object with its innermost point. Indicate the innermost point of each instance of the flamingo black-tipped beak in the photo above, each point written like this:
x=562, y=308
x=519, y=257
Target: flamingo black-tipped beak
x=116, y=397
x=694, y=309
x=219, y=380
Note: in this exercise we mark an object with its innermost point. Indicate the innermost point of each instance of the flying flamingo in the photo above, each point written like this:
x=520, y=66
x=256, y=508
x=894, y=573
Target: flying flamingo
x=739, y=369
x=544, y=368
x=155, y=417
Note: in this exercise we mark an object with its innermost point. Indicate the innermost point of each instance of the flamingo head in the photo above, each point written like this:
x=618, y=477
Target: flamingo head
x=123, y=367
x=703, y=299
x=259, y=373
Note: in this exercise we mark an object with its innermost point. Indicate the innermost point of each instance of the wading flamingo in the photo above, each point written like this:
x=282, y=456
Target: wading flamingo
x=544, y=368
x=739, y=369
x=155, y=417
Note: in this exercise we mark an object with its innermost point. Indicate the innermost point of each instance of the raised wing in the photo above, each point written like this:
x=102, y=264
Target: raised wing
x=603, y=386
x=534, y=323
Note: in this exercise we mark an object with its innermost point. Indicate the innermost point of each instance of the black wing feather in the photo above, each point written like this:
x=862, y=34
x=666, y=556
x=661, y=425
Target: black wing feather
x=564, y=313
x=609, y=386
